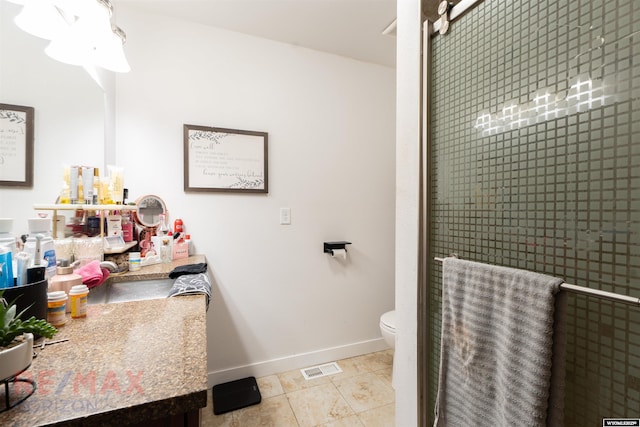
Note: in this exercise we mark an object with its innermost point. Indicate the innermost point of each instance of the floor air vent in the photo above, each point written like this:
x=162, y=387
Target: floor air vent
x=320, y=371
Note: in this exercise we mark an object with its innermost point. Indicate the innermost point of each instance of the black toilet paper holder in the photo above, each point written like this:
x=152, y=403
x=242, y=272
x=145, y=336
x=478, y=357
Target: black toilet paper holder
x=329, y=247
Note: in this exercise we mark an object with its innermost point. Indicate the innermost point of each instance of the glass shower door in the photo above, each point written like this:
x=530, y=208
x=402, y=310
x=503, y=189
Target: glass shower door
x=534, y=137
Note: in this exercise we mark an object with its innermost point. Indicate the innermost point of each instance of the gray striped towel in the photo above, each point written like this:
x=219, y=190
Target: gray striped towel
x=192, y=284
x=502, y=347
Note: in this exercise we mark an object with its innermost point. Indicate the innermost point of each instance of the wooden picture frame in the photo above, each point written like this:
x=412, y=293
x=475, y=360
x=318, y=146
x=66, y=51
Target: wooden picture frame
x=225, y=160
x=16, y=145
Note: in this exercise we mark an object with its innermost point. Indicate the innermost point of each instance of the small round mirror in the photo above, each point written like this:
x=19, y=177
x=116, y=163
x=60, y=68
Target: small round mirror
x=150, y=208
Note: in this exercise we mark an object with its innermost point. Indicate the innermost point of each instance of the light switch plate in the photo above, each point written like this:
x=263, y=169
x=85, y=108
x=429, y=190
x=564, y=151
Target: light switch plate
x=285, y=216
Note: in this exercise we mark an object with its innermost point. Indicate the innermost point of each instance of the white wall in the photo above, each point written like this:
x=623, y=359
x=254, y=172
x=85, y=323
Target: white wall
x=279, y=302
x=68, y=107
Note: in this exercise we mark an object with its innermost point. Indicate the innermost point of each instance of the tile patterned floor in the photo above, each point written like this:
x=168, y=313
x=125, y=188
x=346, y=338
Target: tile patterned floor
x=360, y=396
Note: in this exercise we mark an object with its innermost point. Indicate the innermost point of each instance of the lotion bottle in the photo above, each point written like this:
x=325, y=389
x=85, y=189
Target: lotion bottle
x=97, y=196
x=73, y=184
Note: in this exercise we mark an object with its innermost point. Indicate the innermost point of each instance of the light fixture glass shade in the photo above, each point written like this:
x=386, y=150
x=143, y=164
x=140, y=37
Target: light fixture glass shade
x=109, y=54
x=41, y=18
x=107, y=40
x=97, y=23
x=80, y=31
x=70, y=47
x=74, y=7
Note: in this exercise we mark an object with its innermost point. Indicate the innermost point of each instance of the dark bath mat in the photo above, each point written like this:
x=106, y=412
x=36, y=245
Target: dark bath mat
x=234, y=395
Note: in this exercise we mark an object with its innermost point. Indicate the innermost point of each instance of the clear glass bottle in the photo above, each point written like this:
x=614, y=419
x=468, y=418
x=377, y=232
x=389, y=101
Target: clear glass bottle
x=163, y=227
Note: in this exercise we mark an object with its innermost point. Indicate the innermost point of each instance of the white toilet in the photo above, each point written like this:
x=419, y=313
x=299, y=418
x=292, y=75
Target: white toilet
x=388, y=329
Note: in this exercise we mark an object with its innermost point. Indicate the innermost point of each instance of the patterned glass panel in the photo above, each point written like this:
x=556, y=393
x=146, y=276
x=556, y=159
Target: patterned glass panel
x=535, y=133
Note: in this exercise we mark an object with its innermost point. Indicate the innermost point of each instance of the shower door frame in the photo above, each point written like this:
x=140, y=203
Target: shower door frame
x=424, y=355
x=425, y=257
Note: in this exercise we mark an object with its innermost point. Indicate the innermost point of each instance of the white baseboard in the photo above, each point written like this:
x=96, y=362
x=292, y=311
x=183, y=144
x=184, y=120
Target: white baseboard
x=297, y=361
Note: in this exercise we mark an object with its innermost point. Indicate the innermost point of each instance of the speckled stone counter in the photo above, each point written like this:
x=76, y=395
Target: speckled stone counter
x=125, y=363
x=155, y=271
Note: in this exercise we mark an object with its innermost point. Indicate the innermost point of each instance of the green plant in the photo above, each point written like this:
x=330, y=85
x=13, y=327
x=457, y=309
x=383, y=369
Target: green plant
x=12, y=326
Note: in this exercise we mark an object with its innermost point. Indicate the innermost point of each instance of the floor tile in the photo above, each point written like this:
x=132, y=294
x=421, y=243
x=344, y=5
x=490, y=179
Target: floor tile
x=271, y=412
x=269, y=386
x=366, y=391
x=350, y=367
x=386, y=375
x=360, y=396
x=383, y=416
x=318, y=405
x=376, y=361
x=294, y=381
x=352, y=421
x=209, y=419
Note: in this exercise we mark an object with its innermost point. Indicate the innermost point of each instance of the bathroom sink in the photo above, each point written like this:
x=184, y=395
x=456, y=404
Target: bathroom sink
x=130, y=291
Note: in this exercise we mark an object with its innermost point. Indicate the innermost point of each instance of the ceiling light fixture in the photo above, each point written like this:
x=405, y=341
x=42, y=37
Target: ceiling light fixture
x=80, y=31
x=110, y=55
x=40, y=18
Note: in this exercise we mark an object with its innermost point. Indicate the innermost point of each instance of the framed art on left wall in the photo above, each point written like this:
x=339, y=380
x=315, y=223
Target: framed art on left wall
x=16, y=145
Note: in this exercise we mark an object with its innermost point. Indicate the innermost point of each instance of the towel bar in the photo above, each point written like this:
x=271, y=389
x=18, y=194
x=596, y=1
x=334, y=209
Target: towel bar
x=611, y=296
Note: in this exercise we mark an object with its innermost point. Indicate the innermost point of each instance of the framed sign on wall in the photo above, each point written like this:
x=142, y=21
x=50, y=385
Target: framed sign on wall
x=16, y=145
x=227, y=160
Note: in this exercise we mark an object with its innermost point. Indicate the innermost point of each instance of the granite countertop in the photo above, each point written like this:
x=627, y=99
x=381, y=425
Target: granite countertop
x=124, y=363
x=155, y=271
